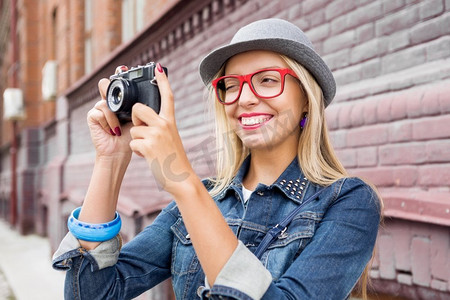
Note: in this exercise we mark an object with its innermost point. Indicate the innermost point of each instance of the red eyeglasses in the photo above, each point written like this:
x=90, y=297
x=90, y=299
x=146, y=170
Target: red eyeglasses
x=266, y=84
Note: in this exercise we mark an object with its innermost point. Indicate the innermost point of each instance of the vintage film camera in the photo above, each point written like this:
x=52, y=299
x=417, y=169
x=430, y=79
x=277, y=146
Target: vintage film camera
x=129, y=87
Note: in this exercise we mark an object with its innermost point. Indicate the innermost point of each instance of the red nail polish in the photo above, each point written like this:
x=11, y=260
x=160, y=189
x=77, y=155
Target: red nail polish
x=112, y=132
x=117, y=131
x=159, y=67
x=121, y=69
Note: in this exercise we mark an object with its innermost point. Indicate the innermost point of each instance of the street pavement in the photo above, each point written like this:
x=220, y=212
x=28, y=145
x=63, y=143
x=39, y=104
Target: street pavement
x=25, y=267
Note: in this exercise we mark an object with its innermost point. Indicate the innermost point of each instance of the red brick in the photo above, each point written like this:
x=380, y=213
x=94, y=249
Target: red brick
x=367, y=157
x=414, y=102
x=364, y=2
x=446, y=24
x=313, y=5
x=356, y=115
x=438, y=49
x=438, y=151
x=316, y=18
x=384, y=110
x=426, y=31
x=404, y=59
x=431, y=128
x=430, y=102
x=439, y=251
x=439, y=285
x=401, y=235
x=400, y=131
x=398, y=21
x=300, y=21
x=344, y=117
x=374, y=274
x=365, y=33
x=338, y=42
x=398, y=41
x=364, y=14
x=347, y=157
x=404, y=279
x=405, y=176
x=370, y=111
x=338, y=60
x=339, y=25
x=434, y=175
x=318, y=33
x=431, y=8
x=402, y=154
x=332, y=114
x=365, y=51
x=420, y=261
x=399, y=106
x=294, y=12
x=348, y=75
x=380, y=176
x=367, y=136
x=338, y=8
x=371, y=68
x=387, y=257
x=444, y=97
x=392, y=5
x=338, y=139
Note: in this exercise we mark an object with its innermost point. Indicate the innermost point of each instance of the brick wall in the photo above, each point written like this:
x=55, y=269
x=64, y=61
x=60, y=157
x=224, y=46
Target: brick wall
x=415, y=255
x=391, y=63
x=388, y=122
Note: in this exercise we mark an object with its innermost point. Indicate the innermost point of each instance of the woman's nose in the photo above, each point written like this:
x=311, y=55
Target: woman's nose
x=247, y=97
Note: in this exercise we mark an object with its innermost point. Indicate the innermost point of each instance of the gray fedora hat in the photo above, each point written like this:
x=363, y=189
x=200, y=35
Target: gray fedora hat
x=278, y=36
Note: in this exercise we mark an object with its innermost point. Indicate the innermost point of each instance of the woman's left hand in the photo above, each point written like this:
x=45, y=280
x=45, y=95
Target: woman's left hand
x=156, y=138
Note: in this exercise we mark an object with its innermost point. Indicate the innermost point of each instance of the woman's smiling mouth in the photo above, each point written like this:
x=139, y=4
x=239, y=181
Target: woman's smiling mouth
x=251, y=121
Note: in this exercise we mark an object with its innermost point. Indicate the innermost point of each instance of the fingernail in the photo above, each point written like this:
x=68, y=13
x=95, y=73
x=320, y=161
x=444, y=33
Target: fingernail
x=112, y=132
x=159, y=67
x=117, y=131
x=121, y=69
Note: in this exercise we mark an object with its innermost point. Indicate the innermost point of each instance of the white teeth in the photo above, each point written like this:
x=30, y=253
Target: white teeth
x=254, y=120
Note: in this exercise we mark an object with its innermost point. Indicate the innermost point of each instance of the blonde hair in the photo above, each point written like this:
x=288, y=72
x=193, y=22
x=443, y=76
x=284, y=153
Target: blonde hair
x=316, y=155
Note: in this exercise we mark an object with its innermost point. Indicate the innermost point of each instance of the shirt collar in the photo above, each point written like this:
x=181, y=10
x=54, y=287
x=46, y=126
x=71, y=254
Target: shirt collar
x=292, y=183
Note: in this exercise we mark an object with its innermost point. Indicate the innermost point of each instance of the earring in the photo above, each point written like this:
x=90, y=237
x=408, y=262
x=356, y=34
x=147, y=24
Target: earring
x=304, y=120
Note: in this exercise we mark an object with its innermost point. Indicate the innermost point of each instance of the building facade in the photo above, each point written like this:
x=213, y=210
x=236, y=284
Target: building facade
x=389, y=120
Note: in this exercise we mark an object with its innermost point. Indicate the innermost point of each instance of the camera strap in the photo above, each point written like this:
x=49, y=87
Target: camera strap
x=279, y=230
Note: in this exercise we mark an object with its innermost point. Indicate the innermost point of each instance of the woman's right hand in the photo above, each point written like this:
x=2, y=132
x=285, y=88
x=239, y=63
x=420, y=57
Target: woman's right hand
x=110, y=139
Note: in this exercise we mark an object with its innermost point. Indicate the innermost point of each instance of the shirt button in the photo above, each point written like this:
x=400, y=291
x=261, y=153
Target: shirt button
x=261, y=193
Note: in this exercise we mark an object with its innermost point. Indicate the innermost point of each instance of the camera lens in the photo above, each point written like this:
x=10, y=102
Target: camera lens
x=120, y=95
x=117, y=95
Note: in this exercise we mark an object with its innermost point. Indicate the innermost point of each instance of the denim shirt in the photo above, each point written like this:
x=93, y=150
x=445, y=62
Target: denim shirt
x=321, y=255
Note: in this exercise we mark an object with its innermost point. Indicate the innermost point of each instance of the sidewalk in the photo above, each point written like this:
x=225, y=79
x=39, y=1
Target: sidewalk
x=25, y=262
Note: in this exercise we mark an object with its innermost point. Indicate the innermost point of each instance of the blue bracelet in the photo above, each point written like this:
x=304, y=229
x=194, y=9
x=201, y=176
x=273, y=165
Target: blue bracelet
x=93, y=232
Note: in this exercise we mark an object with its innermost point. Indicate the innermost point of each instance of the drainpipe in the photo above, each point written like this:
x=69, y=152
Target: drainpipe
x=14, y=82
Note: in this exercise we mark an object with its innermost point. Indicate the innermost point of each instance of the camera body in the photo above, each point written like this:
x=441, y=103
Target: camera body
x=129, y=87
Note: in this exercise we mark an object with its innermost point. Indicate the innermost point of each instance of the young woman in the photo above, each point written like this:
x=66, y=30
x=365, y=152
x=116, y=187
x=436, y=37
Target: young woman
x=270, y=89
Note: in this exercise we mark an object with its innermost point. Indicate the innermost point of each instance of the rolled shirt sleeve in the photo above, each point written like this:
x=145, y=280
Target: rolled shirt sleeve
x=243, y=276
x=104, y=255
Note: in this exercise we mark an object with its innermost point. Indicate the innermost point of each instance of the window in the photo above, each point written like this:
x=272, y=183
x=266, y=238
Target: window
x=132, y=18
x=88, y=36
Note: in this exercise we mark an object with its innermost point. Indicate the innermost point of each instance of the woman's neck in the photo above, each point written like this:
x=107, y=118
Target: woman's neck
x=266, y=167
